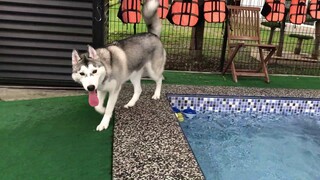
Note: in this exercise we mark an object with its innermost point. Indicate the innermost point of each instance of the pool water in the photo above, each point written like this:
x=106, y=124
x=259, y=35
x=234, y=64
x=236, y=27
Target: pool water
x=255, y=146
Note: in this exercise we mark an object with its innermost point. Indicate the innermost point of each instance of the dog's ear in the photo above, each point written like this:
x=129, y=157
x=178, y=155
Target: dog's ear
x=75, y=57
x=92, y=52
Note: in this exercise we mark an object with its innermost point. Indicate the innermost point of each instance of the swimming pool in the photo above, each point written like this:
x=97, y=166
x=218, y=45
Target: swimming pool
x=253, y=137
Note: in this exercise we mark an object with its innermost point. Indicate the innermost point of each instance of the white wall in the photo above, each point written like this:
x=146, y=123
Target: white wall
x=254, y=3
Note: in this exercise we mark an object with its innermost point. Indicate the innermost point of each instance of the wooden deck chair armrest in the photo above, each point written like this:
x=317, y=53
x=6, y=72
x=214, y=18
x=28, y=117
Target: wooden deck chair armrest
x=266, y=46
x=262, y=46
x=233, y=45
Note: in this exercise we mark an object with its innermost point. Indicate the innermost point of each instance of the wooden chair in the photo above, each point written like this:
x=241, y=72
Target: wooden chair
x=243, y=31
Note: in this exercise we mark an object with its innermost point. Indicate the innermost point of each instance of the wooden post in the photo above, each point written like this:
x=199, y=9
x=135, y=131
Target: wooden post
x=197, y=35
x=315, y=52
x=271, y=35
x=281, y=38
x=224, y=45
x=273, y=26
x=297, y=50
x=106, y=21
x=98, y=24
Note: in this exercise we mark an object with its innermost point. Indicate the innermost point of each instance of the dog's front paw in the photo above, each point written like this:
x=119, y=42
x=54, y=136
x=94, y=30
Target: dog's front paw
x=104, y=124
x=129, y=105
x=100, y=109
x=156, y=96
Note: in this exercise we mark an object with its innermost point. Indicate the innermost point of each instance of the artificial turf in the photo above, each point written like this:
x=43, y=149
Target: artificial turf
x=53, y=138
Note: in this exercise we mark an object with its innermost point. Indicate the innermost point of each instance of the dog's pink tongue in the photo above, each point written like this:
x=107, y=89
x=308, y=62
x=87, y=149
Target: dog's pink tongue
x=93, y=98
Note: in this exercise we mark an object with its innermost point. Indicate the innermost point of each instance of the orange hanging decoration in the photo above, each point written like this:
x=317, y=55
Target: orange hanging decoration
x=314, y=9
x=298, y=11
x=184, y=13
x=130, y=11
x=274, y=10
x=215, y=11
x=163, y=9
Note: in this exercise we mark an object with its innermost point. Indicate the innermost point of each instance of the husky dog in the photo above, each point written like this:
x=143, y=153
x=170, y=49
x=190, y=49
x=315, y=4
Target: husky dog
x=106, y=69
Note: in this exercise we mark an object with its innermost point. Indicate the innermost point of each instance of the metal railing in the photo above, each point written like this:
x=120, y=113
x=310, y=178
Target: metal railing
x=299, y=55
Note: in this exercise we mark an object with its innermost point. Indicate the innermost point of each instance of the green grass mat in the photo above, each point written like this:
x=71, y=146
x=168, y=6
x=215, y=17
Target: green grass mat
x=202, y=79
x=53, y=139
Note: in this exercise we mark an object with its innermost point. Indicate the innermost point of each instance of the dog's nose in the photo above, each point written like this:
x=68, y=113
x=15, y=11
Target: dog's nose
x=91, y=88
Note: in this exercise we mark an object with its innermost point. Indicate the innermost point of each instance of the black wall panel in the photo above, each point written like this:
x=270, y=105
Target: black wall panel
x=37, y=38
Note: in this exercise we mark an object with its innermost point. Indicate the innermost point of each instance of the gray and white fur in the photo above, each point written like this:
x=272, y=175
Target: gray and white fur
x=104, y=70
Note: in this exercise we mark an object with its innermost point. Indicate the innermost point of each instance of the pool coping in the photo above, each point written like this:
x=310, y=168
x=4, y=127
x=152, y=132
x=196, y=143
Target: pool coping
x=148, y=140
x=244, y=104
x=242, y=97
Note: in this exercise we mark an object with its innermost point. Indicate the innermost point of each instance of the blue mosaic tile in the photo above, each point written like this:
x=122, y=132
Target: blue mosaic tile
x=246, y=104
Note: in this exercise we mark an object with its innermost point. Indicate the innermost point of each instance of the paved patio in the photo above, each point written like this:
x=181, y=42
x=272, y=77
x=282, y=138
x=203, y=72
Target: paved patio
x=148, y=141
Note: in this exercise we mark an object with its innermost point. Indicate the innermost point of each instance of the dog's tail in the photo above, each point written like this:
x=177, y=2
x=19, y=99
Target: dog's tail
x=151, y=18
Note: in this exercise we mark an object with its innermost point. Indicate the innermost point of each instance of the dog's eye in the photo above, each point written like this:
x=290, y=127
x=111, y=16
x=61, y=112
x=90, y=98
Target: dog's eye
x=94, y=71
x=82, y=74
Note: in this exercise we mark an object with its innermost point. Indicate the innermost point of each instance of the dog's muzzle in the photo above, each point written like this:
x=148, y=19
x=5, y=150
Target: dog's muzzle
x=91, y=88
